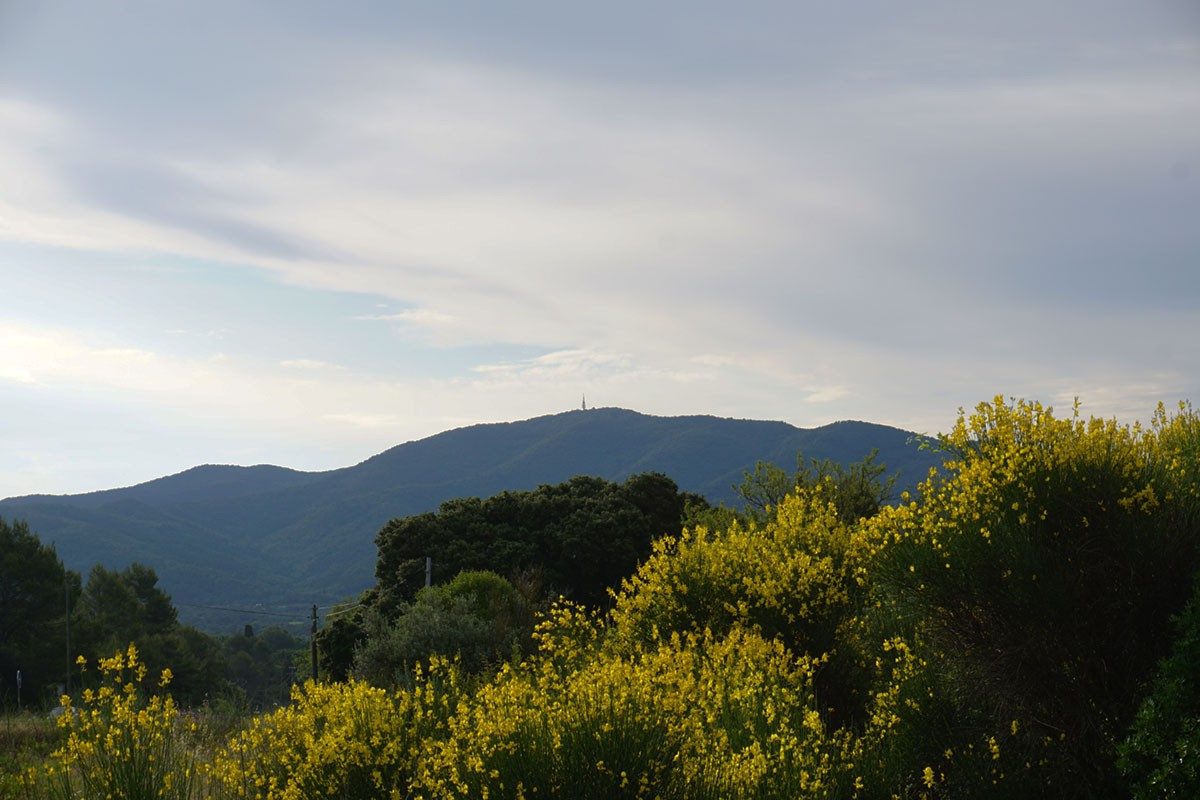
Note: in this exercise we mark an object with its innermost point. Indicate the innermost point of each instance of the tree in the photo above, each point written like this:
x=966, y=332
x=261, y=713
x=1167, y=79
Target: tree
x=478, y=617
x=581, y=536
x=117, y=608
x=578, y=538
x=858, y=490
x=32, y=583
x=1161, y=754
x=260, y=665
x=341, y=635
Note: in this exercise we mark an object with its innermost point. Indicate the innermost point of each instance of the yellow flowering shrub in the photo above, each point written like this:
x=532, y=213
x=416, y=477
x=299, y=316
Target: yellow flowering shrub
x=800, y=578
x=340, y=740
x=124, y=741
x=695, y=716
x=1040, y=574
x=791, y=578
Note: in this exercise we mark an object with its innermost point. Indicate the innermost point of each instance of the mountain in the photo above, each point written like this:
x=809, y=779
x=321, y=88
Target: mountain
x=279, y=540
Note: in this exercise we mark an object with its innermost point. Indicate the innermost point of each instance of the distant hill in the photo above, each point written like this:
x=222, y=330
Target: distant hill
x=277, y=539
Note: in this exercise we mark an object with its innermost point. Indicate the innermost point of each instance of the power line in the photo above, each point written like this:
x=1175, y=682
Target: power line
x=346, y=603
x=242, y=611
x=340, y=611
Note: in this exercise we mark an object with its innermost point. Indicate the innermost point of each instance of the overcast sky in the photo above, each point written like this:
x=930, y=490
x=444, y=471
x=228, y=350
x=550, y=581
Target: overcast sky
x=300, y=233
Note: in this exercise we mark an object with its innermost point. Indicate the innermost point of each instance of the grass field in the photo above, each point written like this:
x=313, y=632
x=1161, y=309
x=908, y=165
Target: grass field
x=26, y=739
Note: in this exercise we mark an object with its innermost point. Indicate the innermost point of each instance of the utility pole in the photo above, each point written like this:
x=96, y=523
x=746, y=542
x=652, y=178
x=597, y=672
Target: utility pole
x=314, y=643
x=67, y=599
x=428, y=571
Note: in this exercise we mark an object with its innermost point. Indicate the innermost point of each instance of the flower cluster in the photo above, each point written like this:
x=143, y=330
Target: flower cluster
x=125, y=740
x=793, y=578
x=347, y=740
x=697, y=715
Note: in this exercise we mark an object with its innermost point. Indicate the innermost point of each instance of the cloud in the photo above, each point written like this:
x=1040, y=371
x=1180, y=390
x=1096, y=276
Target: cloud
x=800, y=211
x=308, y=364
x=17, y=374
x=418, y=316
x=364, y=420
x=827, y=394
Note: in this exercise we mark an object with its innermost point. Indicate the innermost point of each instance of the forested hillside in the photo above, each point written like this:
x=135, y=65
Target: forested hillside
x=280, y=539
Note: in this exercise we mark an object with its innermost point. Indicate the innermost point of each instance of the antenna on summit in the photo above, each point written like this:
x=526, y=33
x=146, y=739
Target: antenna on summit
x=585, y=402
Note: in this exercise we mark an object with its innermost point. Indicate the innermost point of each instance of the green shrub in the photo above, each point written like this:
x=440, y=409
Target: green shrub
x=478, y=618
x=1161, y=755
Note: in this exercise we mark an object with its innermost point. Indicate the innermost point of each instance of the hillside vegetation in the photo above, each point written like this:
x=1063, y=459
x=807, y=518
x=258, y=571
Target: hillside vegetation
x=1012, y=629
x=108, y=611
x=279, y=540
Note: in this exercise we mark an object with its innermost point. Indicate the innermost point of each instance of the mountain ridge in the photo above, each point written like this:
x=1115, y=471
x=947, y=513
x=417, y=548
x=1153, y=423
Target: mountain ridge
x=272, y=536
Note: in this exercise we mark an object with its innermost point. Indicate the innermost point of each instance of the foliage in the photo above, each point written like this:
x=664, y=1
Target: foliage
x=32, y=581
x=345, y=740
x=343, y=632
x=125, y=741
x=478, y=617
x=857, y=491
x=261, y=665
x=128, y=606
x=583, y=535
x=991, y=637
x=576, y=538
x=788, y=577
x=1161, y=755
x=1048, y=536
x=695, y=716
x=795, y=580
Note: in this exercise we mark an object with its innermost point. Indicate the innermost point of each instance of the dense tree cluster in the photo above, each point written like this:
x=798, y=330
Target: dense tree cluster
x=109, y=611
x=575, y=539
x=34, y=587
x=119, y=607
x=262, y=665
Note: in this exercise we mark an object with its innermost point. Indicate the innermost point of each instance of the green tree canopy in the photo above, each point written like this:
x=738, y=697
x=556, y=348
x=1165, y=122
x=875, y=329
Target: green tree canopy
x=118, y=608
x=262, y=665
x=32, y=603
x=1161, y=754
x=858, y=490
x=479, y=617
x=577, y=538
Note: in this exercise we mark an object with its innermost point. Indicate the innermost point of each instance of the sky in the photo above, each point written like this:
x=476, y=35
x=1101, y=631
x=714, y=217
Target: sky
x=300, y=233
